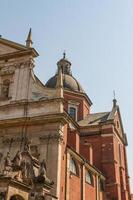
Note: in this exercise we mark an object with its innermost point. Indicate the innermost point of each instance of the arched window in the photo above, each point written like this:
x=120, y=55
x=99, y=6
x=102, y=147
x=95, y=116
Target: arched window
x=89, y=177
x=16, y=197
x=73, y=167
x=72, y=112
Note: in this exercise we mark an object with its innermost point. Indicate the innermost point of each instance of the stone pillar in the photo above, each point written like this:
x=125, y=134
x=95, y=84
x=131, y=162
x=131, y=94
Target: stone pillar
x=68, y=176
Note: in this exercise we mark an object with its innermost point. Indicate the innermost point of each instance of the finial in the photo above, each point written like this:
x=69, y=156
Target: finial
x=114, y=99
x=114, y=93
x=64, y=55
x=29, y=39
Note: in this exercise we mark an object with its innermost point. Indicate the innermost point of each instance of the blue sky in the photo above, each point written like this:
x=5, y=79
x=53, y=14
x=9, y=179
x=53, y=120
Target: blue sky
x=97, y=36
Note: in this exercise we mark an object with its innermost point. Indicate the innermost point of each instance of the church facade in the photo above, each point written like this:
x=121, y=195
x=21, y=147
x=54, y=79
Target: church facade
x=51, y=145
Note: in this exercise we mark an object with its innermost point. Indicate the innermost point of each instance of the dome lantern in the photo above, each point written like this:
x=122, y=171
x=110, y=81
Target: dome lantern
x=69, y=82
x=65, y=65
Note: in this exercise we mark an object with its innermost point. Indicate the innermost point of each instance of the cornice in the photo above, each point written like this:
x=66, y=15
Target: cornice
x=83, y=161
x=20, y=53
x=25, y=102
x=80, y=95
x=35, y=120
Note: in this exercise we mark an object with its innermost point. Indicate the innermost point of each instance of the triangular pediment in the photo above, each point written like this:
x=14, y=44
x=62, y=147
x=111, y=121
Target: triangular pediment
x=7, y=47
x=115, y=116
x=4, y=49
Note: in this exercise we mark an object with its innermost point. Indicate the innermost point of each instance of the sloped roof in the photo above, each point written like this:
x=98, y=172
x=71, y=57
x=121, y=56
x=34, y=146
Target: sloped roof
x=94, y=119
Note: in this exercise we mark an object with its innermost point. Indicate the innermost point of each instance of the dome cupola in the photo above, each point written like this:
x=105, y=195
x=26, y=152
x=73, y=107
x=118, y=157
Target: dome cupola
x=69, y=82
x=65, y=65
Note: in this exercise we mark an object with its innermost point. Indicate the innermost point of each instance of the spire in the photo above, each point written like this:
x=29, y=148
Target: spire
x=64, y=55
x=114, y=99
x=29, y=39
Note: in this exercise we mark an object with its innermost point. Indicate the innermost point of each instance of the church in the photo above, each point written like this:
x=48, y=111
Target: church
x=52, y=147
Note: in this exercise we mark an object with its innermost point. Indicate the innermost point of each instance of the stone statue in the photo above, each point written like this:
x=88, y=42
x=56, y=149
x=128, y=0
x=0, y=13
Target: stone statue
x=1, y=155
x=39, y=197
x=17, y=160
x=5, y=88
x=2, y=195
x=24, y=170
x=7, y=163
x=27, y=145
x=43, y=169
x=42, y=178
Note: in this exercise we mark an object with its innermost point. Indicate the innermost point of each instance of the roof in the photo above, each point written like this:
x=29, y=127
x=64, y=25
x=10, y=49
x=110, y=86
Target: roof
x=69, y=82
x=10, y=48
x=94, y=119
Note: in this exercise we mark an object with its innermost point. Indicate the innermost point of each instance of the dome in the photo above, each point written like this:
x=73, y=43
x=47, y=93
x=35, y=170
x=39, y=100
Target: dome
x=69, y=83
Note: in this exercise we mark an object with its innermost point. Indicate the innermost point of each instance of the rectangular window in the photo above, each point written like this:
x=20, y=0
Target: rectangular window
x=72, y=112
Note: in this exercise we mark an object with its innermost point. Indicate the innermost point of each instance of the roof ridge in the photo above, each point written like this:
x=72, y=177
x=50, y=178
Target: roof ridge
x=100, y=113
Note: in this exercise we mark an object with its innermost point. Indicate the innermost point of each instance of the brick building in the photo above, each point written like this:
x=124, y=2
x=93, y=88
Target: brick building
x=51, y=145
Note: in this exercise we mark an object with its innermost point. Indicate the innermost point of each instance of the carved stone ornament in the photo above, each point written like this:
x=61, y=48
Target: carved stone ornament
x=17, y=161
x=7, y=164
x=40, y=197
x=42, y=177
x=1, y=155
x=43, y=169
x=58, y=137
x=7, y=70
x=5, y=89
x=2, y=195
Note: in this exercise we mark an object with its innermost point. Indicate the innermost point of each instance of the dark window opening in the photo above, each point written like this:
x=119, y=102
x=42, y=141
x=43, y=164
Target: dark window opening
x=102, y=185
x=73, y=167
x=89, y=177
x=72, y=112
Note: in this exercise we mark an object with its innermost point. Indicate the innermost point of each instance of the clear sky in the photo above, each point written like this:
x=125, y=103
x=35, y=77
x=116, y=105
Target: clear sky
x=98, y=38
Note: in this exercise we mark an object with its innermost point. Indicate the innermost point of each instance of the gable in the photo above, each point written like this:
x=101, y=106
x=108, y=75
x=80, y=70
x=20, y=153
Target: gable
x=118, y=123
x=7, y=46
x=4, y=49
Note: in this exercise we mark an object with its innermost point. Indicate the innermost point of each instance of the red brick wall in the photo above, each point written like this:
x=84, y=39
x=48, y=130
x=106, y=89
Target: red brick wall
x=90, y=190
x=73, y=140
x=96, y=143
x=75, y=185
x=63, y=164
x=83, y=107
x=87, y=152
x=109, y=158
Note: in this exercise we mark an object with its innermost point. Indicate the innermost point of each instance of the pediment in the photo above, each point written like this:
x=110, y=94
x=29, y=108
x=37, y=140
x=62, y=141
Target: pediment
x=7, y=47
x=4, y=49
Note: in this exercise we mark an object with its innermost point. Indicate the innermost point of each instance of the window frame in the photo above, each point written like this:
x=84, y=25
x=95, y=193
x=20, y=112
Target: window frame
x=101, y=185
x=76, y=109
x=72, y=161
x=90, y=173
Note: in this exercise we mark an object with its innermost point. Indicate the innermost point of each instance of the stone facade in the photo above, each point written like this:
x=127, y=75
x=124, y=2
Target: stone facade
x=51, y=145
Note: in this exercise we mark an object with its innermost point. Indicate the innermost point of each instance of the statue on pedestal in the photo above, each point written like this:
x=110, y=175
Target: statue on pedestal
x=17, y=161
